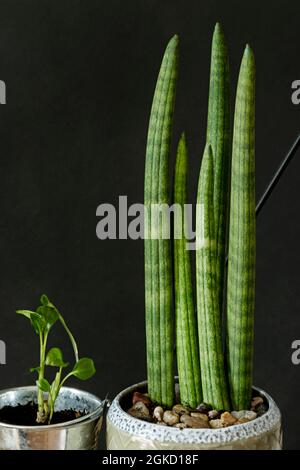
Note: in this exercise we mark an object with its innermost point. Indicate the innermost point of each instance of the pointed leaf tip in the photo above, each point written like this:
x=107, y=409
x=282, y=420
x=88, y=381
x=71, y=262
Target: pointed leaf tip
x=173, y=43
x=218, y=27
x=248, y=51
x=218, y=31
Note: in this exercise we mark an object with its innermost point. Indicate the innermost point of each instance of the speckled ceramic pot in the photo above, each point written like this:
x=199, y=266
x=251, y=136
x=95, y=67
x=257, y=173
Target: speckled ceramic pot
x=127, y=433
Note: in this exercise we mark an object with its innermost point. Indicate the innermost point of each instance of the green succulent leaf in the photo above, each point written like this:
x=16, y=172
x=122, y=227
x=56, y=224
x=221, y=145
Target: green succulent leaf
x=54, y=358
x=84, y=369
x=35, y=369
x=158, y=260
x=43, y=385
x=187, y=348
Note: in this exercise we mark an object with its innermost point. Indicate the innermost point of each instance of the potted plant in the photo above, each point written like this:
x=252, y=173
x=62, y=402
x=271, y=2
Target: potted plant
x=213, y=403
x=50, y=415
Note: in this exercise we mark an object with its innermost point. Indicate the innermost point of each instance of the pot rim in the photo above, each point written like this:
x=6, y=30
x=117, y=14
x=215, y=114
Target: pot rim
x=90, y=416
x=134, y=426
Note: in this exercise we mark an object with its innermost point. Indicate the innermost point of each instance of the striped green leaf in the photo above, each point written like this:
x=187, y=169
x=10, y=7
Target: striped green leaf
x=209, y=320
x=218, y=135
x=186, y=323
x=158, y=265
x=241, y=259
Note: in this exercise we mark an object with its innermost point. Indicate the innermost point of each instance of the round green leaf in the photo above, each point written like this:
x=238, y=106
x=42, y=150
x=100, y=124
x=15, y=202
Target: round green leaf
x=49, y=314
x=55, y=358
x=84, y=368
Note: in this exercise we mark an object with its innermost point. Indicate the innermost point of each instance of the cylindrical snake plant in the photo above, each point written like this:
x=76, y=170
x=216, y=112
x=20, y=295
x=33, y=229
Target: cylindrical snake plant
x=218, y=135
x=158, y=264
x=211, y=234
x=213, y=376
x=186, y=323
x=241, y=256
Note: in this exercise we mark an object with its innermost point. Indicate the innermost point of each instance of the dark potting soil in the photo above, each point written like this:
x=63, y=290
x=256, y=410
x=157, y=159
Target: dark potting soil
x=25, y=415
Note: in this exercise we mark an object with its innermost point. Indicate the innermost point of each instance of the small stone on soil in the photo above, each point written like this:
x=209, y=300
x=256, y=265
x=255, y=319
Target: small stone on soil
x=242, y=421
x=199, y=415
x=195, y=423
x=137, y=397
x=215, y=423
x=227, y=419
x=180, y=410
x=158, y=413
x=204, y=408
x=250, y=415
x=180, y=426
x=261, y=409
x=139, y=410
x=170, y=418
x=255, y=402
x=213, y=414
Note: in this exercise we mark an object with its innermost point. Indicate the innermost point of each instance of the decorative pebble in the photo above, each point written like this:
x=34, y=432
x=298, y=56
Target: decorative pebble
x=158, y=413
x=195, y=423
x=137, y=397
x=261, y=409
x=180, y=410
x=250, y=415
x=140, y=410
x=227, y=419
x=204, y=408
x=213, y=414
x=170, y=418
x=199, y=416
x=256, y=401
x=161, y=423
x=215, y=423
x=238, y=414
x=242, y=421
x=180, y=426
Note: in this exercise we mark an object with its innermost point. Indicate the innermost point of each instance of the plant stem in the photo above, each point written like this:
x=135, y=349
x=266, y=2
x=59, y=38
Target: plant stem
x=55, y=389
x=41, y=415
x=242, y=240
x=187, y=346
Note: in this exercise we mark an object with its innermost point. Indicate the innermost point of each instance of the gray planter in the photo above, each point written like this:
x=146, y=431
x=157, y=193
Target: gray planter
x=127, y=433
x=79, y=434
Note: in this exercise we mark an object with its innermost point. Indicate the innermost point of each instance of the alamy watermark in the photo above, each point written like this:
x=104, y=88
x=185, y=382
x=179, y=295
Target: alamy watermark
x=151, y=221
x=296, y=92
x=2, y=92
x=2, y=352
x=295, y=357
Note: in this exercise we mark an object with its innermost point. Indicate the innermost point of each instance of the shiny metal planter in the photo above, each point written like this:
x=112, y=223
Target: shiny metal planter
x=127, y=433
x=80, y=434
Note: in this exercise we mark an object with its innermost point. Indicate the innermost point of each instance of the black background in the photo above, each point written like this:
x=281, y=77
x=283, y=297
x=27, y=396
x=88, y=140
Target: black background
x=80, y=78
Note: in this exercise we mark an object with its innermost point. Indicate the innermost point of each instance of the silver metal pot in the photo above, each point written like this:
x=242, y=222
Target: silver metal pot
x=125, y=432
x=80, y=434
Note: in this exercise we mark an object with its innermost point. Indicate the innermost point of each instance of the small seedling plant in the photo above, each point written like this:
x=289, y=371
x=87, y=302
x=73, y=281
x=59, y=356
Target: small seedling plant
x=42, y=321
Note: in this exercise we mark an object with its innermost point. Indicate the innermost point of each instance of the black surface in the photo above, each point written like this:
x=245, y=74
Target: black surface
x=80, y=78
